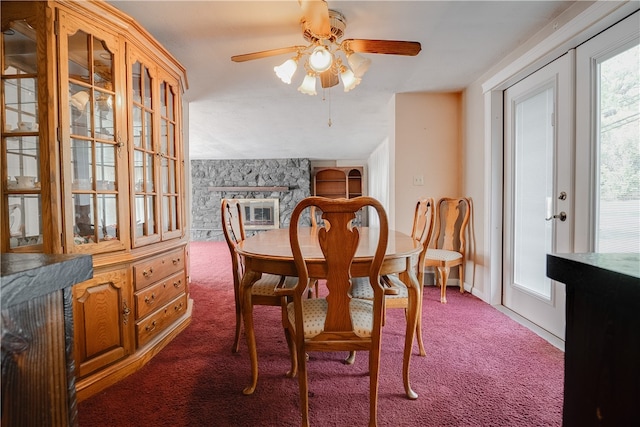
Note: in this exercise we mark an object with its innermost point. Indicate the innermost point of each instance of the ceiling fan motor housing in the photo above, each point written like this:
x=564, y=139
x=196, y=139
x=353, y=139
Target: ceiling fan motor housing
x=338, y=26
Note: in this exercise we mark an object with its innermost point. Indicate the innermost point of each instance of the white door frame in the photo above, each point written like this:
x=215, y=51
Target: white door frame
x=578, y=29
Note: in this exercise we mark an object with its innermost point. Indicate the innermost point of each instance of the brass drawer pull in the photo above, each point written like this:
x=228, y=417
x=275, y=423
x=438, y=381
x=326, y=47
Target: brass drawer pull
x=175, y=261
x=177, y=284
x=146, y=273
x=150, y=327
x=179, y=307
x=150, y=299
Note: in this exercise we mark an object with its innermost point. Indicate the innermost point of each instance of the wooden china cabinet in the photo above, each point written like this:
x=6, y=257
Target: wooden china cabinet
x=336, y=182
x=93, y=163
x=340, y=182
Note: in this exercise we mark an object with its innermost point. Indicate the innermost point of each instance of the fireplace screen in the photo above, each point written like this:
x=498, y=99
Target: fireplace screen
x=260, y=214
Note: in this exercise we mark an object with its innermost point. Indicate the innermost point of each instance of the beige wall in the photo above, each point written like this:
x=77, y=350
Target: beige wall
x=428, y=143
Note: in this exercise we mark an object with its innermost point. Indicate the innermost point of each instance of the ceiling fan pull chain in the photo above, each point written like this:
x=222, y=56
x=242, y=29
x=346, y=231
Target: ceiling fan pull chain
x=324, y=91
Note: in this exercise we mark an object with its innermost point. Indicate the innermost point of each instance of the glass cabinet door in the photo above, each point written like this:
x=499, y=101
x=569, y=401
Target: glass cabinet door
x=157, y=156
x=170, y=161
x=145, y=190
x=92, y=150
x=22, y=200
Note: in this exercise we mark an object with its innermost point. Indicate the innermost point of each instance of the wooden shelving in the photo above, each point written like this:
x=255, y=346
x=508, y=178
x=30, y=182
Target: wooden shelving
x=339, y=182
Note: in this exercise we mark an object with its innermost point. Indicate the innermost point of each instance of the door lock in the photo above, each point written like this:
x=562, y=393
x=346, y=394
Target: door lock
x=562, y=216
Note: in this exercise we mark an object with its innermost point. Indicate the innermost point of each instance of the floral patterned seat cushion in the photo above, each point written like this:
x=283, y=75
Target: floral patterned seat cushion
x=443, y=254
x=267, y=283
x=361, y=288
x=315, y=312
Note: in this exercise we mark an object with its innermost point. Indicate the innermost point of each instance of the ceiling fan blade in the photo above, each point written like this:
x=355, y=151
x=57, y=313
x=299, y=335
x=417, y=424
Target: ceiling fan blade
x=315, y=16
x=265, y=53
x=328, y=79
x=389, y=47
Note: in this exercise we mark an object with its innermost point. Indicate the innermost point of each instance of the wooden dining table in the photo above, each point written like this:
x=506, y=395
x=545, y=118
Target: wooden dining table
x=270, y=252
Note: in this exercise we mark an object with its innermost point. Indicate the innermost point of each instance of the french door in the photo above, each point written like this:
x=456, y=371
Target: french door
x=572, y=167
x=538, y=194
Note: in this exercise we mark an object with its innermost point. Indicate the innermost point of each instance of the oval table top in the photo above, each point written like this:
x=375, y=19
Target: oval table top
x=274, y=244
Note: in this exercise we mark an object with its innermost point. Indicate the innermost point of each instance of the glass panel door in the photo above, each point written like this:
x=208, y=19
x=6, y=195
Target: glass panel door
x=533, y=190
x=608, y=140
x=21, y=140
x=169, y=162
x=537, y=212
x=93, y=148
x=618, y=141
x=145, y=189
x=157, y=156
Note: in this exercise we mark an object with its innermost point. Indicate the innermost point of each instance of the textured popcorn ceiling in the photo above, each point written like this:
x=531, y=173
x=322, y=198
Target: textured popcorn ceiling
x=242, y=110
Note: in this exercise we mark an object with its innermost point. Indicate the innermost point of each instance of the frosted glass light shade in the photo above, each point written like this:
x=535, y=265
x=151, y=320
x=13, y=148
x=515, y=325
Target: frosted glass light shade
x=308, y=85
x=286, y=70
x=320, y=59
x=349, y=80
x=358, y=63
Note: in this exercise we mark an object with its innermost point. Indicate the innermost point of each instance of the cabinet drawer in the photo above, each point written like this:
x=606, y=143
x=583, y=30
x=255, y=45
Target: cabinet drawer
x=157, y=322
x=157, y=295
x=154, y=269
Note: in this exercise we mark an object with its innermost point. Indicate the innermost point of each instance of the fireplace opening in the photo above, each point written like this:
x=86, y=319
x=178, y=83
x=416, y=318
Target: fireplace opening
x=260, y=214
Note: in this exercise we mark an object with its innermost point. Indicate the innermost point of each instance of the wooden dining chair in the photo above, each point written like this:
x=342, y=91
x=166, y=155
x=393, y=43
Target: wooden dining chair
x=396, y=292
x=449, y=242
x=263, y=290
x=336, y=322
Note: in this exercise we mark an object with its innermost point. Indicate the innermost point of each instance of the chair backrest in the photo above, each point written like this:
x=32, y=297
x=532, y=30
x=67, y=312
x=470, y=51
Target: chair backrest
x=233, y=229
x=423, y=220
x=338, y=239
x=422, y=230
x=453, y=218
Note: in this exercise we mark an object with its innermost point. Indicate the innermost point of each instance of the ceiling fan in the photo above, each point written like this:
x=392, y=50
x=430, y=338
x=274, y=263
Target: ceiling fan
x=323, y=28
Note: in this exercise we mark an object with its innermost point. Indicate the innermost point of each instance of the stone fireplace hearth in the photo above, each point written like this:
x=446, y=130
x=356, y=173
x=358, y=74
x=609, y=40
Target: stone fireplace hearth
x=287, y=180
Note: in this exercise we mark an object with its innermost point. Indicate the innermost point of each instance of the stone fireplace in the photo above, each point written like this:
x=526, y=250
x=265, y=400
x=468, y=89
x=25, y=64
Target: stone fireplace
x=286, y=180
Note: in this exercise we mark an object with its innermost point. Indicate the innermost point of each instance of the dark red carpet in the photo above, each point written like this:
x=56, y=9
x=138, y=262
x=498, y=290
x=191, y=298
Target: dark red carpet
x=482, y=369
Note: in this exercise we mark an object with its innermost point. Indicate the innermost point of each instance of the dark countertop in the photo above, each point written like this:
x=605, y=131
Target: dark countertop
x=602, y=347
x=621, y=266
x=627, y=263
x=27, y=276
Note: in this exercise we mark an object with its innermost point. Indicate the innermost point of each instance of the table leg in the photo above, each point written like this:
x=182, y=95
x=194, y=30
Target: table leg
x=248, y=279
x=409, y=278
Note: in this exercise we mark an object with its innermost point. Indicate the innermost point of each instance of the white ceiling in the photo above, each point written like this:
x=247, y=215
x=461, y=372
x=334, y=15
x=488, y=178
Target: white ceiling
x=243, y=111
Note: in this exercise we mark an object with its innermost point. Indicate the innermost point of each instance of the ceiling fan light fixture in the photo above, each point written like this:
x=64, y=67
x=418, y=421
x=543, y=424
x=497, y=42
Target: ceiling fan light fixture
x=349, y=80
x=320, y=59
x=308, y=85
x=286, y=70
x=326, y=55
x=358, y=63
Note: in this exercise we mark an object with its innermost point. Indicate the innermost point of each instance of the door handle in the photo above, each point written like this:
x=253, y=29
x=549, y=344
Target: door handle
x=562, y=216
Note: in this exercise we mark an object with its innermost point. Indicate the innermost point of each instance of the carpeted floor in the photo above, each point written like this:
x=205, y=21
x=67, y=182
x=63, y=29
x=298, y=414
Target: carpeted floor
x=482, y=369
